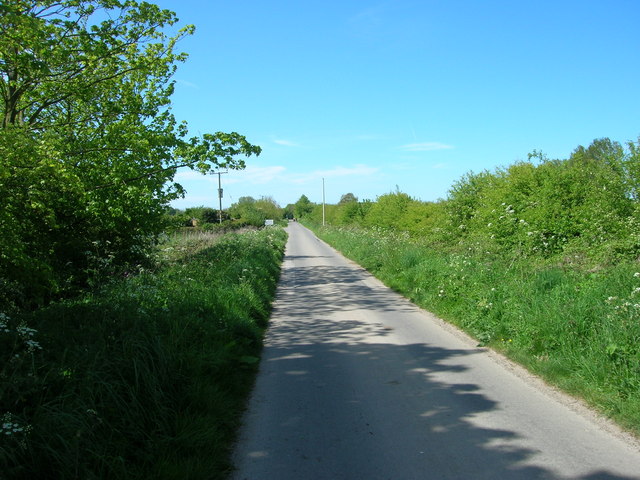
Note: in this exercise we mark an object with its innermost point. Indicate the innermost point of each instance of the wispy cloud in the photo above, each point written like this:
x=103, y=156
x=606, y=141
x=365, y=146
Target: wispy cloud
x=286, y=143
x=251, y=174
x=254, y=175
x=187, y=83
x=424, y=147
x=257, y=175
x=358, y=170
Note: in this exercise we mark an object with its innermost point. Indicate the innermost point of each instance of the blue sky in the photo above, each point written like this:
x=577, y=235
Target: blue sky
x=374, y=95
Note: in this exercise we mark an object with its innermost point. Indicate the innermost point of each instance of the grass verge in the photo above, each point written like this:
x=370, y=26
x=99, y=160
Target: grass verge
x=577, y=328
x=146, y=378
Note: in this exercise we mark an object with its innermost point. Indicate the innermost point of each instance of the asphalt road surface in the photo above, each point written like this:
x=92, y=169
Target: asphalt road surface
x=358, y=383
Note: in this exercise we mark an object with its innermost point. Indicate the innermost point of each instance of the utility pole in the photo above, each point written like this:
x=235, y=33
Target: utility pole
x=220, y=194
x=323, y=201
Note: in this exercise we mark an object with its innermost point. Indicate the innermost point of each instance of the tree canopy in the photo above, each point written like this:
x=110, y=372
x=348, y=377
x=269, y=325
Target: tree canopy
x=255, y=212
x=303, y=206
x=88, y=144
x=347, y=198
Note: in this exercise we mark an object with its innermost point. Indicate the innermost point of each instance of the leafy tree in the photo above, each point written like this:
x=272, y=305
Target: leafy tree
x=353, y=213
x=202, y=214
x=303, y=207
x=88, y=145
x=423, y=219
x=465, y=197
x=289, y=211
x=347, y=198
x=211, y=215
x=388, y=210
x=582, y=203
x=255, y=212
x=242, y=207
x=269, y=207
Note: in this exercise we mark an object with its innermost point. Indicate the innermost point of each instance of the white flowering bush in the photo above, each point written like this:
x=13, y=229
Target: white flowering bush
x=14, y=430
x=621, y=335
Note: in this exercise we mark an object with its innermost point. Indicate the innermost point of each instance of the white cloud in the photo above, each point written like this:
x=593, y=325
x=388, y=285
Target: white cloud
x=286, y=143
x=251, y=174
x=359, y=170
x=424, y=147
x=257, y=175
x=186, y=83
x=275, y=180
x=263, y=175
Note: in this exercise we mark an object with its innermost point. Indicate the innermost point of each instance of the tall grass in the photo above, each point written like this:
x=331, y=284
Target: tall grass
x=577, y=327
x=147, y=377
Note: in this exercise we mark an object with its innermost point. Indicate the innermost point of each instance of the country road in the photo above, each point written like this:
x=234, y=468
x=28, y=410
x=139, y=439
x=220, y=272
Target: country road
x=357, y=383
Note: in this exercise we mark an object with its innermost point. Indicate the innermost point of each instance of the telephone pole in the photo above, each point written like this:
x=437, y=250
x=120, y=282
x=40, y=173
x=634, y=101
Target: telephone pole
x=323, y=201
x=220, y=195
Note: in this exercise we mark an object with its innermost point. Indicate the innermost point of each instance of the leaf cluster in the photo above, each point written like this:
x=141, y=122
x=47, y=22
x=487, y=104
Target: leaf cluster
x=88, y=144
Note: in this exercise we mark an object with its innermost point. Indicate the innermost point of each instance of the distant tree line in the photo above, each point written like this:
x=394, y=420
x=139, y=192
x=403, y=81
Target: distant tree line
x=586, y=204
x=246, y=211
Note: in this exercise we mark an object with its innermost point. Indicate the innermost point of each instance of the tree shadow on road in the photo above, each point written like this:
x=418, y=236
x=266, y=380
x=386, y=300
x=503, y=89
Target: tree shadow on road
x=403, y=421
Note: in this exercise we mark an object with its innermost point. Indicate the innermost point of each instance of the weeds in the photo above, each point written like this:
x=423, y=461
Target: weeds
x=145, y=378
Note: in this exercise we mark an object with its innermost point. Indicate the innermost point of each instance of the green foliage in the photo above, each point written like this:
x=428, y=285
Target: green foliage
x=146, y=378
x=201, y=214
x=352, y=213
x=88, y=145
x=537, y=259
x=303, y=207
x=388, y=210
x=210, y=215
x=582, y=209
x=289, y=211
x=348, y=198
x=581, y=204
x=577, y=328
x=254, y=212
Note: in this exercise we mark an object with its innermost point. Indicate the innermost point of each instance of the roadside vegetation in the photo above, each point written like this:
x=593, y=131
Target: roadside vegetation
x=124, y=352
x=538, y=260
x=89, y=147
x=145, y=377
x=246, y=212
